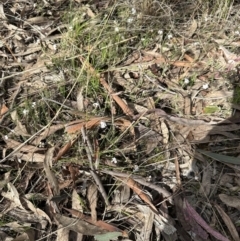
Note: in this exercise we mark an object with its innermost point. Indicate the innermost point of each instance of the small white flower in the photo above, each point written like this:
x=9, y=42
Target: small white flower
x=205, y=86
x=33, y=104
x=170, y=36
x=130, y=20
x=160, y=32
x=96, y=105
x=6, y=137
x=25, y=112
x=114, y=160
x=41, y=144
x=149, y=178
x=186, y=81
x=70, y=28
x=103, y=124
x=136, y=168
x=116, y=29
x=133, y=11
x=237, y=32
x=55, y=47
x=231, y=61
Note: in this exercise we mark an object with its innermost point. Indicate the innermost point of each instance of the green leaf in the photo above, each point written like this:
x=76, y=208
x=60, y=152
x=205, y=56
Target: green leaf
x=220, y=157
x=107, y=236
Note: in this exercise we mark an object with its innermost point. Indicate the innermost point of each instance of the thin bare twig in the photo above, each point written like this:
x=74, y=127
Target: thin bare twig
x=178, y=178
x=100, y=186
x=89, y=155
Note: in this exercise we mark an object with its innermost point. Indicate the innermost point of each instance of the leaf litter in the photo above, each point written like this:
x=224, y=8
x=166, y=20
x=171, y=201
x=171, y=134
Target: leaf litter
x=130, y=134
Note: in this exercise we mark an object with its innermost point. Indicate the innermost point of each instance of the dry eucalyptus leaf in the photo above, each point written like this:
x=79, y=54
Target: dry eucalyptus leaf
x=108, y=236
x=76, y=204
x=5, y=180
x=30, y=157
x=62, y=233
x=39, y=213
x=80, y=100
x=228, y=222
x=18, y=227
x=146, y=231
x=192, y=28
x=50, y=175
x=22, y=237
x=121, y=194
x=2, y=14
x=231, y=201
x=226, y=180
x=79, y=226
x=12, y=195
x=92, y=196
x=206, y=181
x=20, y=129
x=165, y=132
x=164, y=225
